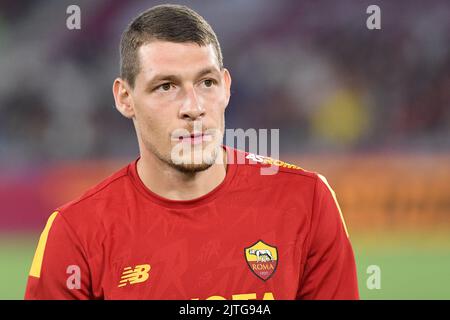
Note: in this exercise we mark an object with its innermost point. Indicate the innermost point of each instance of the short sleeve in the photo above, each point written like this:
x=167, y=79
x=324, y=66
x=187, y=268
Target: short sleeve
x=59, y=269
x=330, y=269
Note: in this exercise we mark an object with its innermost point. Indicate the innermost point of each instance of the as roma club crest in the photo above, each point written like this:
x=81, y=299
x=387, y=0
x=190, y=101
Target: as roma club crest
x=262, y=259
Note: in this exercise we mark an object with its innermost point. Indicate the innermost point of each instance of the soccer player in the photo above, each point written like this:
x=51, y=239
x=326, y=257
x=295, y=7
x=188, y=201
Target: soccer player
x=173, y=225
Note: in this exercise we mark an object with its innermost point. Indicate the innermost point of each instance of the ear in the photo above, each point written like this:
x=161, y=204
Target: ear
x=122, y=97
x=227, y=81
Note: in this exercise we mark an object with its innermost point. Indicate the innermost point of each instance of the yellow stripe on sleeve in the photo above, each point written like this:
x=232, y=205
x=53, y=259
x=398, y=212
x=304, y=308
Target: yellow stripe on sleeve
x=335, y=200
x=39, y=254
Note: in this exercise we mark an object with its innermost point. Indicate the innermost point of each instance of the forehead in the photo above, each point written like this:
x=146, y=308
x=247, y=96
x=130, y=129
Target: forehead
x=175, y=58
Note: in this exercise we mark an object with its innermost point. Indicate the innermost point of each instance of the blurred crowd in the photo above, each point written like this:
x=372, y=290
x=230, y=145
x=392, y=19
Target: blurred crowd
x=310, y=68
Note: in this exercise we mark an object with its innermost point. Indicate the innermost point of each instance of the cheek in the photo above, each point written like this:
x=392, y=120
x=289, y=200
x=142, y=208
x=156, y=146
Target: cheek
x=221, y=106
x=152, y=123
x=217, y=100
x=157, y=126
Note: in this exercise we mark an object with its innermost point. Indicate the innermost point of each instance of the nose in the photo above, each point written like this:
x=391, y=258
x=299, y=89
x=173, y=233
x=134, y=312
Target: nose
x=192, y=107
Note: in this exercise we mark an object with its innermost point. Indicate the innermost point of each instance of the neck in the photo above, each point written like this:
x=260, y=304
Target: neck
x=170, y=183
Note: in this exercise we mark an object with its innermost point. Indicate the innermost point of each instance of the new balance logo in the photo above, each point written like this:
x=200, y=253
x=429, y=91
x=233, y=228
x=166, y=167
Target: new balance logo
x=136, y=275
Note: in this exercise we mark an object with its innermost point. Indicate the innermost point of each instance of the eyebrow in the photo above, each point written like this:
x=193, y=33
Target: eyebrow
x=173, y=78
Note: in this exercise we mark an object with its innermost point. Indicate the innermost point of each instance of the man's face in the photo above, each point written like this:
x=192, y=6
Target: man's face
x=179, y=100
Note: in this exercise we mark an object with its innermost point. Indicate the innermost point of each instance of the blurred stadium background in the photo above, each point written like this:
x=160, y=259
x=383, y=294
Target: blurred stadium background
x=368, y=109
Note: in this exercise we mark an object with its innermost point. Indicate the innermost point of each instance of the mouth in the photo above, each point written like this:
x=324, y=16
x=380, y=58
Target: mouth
x=195, y=138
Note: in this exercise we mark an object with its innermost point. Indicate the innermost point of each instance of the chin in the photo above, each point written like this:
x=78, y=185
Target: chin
x=193, y=160
x=191, y=168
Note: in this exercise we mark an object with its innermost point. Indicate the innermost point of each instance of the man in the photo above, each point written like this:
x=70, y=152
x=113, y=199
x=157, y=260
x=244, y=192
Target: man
x=185, y=221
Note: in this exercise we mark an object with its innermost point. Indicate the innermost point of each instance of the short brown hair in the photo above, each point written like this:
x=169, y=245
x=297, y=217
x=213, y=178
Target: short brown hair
x=174, y=23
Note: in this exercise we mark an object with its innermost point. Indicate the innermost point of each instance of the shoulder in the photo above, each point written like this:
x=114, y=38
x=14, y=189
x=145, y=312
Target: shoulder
x=290, y=181
x=85, y=206
x=273, y=178
x=272, y=169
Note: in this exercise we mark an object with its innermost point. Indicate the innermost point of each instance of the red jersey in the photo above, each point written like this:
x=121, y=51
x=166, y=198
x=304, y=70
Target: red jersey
x=254, y=236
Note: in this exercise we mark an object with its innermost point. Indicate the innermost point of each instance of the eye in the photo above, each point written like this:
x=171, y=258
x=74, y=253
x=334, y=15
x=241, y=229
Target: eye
x=209, y=82
x=164, y=87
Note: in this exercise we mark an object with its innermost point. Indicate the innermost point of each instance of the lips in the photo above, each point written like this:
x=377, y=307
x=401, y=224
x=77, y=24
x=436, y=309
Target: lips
x=192, y=136
x=195, y=138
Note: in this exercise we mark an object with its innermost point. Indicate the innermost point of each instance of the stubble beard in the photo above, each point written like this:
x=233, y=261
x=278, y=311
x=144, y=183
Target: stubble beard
x=201, y=160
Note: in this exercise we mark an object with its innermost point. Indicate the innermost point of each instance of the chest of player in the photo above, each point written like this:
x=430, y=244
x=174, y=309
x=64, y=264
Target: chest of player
x=242, y=253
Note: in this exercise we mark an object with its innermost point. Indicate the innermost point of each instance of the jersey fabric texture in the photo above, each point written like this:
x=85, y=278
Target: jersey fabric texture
x=255, y=236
